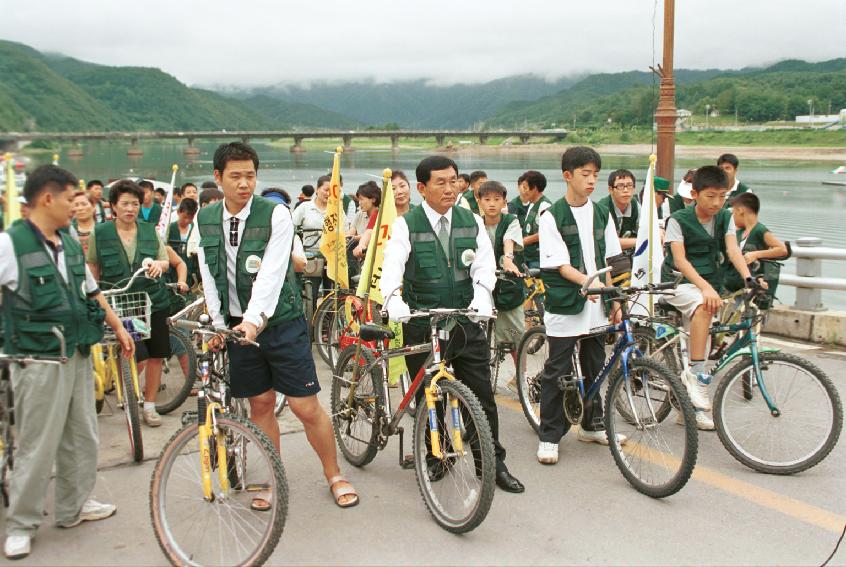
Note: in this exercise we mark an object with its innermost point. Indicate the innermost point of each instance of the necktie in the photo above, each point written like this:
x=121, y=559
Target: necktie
x=443, y=235
x=233, y=231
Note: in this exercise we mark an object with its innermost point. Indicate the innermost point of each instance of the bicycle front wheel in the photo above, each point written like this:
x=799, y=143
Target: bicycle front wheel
x=531, y=358
x=809, y=420
x=177, y=382
x=357, y=399
x=657, y=457
x=131, y=408
x=457, y=487
x=226, y=530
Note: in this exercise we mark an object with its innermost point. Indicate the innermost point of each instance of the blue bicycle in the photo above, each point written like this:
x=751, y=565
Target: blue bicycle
x=655, y=456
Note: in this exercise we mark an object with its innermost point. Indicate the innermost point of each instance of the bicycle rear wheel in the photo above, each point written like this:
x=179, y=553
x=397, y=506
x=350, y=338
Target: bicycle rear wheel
x=658, y=457
x=226, y=530
x=808, y=424
x=175, y=385
x=355, y=419
x=457, y=488
x=531, y=357
x=131, y=409
x=322, y=325
x=659, y=392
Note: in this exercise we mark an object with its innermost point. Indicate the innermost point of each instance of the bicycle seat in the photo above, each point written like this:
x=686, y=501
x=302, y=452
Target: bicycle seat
x=371, y=332
x=534, y=272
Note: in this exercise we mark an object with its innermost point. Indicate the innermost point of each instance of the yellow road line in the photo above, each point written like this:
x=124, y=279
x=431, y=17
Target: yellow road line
x=763, y=497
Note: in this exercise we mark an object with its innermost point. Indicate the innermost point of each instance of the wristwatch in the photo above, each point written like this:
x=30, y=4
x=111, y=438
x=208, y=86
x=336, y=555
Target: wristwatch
x=509, y=255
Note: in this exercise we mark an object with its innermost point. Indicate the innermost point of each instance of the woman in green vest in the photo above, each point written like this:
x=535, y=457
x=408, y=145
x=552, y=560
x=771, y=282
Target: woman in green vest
x=118, y=249
x=177, y=239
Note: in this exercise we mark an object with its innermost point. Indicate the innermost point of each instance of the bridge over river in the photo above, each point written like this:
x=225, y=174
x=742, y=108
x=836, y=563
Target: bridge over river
x=13, y=140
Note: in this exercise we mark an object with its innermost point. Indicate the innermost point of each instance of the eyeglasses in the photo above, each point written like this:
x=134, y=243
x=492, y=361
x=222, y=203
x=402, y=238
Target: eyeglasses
x=624, y=187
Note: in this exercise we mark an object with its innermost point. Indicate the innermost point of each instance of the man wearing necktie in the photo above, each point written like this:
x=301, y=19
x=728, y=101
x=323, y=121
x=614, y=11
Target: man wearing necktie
x=426, y=255
x=245, y=247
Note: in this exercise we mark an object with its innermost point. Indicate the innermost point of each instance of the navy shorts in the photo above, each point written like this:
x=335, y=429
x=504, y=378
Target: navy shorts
x=283, y=362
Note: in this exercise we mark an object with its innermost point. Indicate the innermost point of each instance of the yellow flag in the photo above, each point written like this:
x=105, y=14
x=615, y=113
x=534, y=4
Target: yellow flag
x=12, y=210
x=332, y=245
x=372, y=271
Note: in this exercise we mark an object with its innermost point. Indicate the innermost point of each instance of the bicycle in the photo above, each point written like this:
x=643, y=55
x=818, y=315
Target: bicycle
x=799, y=415
x=133, y=309
x=7, y=406
x=198, y=516
x=453, y=451
x=657, y=461
x=501, y=349
x=535, y=294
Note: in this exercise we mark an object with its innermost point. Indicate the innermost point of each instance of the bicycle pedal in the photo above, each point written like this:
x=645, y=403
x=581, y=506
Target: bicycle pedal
x=189, y=416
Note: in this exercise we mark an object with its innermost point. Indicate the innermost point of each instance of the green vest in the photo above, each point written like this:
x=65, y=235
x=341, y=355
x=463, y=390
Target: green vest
x=43, y=299
x=676, y=203
x=530, y=227
x=174, y=240
x=626, y=226
x=432, y=278
x=741, y=188
x=471, y=200
x=116, y=268
x=257, y=232
x=770, y=270
x=155, y=214
x=508, y=294
x=517, y=208
x=706, y=253
x=562, y=295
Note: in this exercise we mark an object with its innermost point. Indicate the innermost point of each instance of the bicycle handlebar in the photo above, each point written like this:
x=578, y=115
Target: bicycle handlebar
x=181, y=314
x=209, y=329
x=145, y=265
x=33, y=358
x=614, y=291
x=593, y=276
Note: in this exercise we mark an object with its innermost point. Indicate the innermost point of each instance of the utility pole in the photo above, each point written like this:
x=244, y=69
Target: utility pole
x=665, y=115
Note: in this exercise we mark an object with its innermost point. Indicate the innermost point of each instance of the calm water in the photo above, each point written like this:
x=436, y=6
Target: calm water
x=794, y=202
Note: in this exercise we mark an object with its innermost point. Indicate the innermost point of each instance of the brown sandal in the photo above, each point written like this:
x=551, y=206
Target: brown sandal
x=341, y=491
x=260, y=502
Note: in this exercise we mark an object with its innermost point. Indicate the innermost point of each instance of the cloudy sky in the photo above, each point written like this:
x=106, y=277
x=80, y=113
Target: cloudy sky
x=259, y=42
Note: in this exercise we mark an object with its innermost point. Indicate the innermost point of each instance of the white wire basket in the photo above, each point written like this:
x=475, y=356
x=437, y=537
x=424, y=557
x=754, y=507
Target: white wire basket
x=133, y=309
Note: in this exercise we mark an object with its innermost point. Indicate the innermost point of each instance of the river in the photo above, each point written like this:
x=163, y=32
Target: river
x=794, y=201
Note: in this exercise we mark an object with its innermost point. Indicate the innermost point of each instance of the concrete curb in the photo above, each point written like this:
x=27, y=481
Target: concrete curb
x=828, y=327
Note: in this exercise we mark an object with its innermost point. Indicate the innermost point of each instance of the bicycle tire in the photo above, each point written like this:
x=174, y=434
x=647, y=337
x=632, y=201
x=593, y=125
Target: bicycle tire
x=322, y=326
x=646, y=342
x=131, y=410
x=529, y=371
x=7, y=420
x=675, y=469
x=730, y=393
x=431, y=473
x=280, y=404
x=173, y=544
x=359, y=448
x=171, y=396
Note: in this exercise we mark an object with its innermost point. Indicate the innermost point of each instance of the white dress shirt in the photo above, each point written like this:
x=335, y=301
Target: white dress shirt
x=398, y=249
x=554, y=254
x=9, y=266
x=270, y=277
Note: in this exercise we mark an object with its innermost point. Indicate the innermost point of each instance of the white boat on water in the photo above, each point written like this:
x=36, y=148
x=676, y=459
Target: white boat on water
x=837, y=177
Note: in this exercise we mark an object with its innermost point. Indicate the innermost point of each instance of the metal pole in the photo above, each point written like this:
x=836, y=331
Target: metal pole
x=665, y=115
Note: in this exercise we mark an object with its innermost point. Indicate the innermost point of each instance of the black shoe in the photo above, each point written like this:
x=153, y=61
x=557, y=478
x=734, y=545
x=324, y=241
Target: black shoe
x=507, y=482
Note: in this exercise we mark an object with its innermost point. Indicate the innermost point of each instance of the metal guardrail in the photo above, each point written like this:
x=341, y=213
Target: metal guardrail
x=808, y=280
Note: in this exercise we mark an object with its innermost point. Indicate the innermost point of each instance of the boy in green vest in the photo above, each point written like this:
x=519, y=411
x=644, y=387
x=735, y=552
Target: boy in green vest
x=177, y=238
x=45, y=283
x=245, y=247
x=472, y=196
x=425, y=257
x=576, y=238
x=697, y=241
x=729, y=164
x=756, y=243
x=509, y=294
x=537, y=204
x=623, y=208
x=150, y=210
x=518, y=205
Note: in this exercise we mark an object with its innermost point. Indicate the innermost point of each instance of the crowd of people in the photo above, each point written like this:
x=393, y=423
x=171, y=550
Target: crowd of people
x=250, y=255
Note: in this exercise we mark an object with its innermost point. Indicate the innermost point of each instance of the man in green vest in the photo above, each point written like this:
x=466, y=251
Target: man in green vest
x=150, y=210
x=576, y=238
x=425, y=256
x=537, y=204
x=463, y=186
x=625, y=210
x=248, y=281
x=102, y=210
x=45, y=284
x=472, y=196
x=519, y=204
x=697, y=241
x=729, y=163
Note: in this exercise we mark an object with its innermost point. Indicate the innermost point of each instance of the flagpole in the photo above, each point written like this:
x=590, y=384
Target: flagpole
x=336, y=286
x=652, y=212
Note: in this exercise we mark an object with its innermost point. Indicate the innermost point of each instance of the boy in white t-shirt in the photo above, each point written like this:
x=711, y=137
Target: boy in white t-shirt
x=576, y=237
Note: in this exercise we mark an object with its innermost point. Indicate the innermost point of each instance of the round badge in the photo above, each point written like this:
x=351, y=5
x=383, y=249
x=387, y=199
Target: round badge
x=252, y=264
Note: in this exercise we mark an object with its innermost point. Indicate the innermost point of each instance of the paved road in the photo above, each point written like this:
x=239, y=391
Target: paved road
x=580, y=512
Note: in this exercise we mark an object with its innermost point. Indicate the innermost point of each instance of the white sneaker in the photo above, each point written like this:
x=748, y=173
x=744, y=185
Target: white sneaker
x=703, y=422
x=151, y=417
x=547, y=453
x=697, y=389
x=91, y=512
x=600, y=437
x=17, y=546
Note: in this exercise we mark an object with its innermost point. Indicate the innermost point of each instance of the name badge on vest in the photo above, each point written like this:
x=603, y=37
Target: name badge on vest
x=252, y=264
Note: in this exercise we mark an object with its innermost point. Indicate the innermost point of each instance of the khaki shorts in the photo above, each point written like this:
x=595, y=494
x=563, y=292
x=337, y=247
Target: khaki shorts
x=686, y=299
x=510, y=325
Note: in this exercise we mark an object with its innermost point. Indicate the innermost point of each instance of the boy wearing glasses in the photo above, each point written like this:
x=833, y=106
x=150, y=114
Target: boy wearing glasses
x=623, y=208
